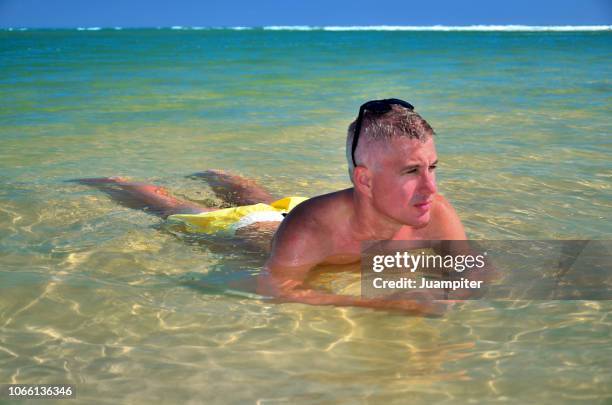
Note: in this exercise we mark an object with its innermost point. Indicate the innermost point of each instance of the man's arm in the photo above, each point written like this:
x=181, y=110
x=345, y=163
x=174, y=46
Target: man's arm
x=287, y=285
x=298, y=246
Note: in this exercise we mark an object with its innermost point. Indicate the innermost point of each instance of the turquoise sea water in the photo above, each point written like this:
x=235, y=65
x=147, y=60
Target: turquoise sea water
x=96, y=294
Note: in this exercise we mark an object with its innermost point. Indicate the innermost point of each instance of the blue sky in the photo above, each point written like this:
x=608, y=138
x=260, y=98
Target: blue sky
x=153, y=13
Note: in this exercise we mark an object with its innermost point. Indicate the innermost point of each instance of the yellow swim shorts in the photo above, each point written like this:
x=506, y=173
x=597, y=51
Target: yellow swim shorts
x=234, y=218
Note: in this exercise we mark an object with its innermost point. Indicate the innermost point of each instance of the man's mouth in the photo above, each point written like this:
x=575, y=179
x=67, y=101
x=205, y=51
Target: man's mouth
x=424, y=206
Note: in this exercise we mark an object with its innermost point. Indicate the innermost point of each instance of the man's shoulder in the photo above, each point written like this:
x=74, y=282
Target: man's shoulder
x=445, y=221
x=442, y=205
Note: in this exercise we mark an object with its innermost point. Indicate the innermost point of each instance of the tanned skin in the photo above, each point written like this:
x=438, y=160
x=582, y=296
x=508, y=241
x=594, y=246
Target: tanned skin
x=394, y=198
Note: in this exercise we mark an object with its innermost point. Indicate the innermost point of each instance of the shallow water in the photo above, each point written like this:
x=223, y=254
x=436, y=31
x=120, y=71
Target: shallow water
x=108, y=298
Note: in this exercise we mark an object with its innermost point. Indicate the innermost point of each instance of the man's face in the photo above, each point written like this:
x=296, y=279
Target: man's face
x=404, y=180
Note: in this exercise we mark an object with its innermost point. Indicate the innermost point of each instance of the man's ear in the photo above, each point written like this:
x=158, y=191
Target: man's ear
x=362, y=177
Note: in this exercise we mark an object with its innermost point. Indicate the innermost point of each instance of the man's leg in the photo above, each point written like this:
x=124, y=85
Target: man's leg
x=234, y=189
x=154, y=199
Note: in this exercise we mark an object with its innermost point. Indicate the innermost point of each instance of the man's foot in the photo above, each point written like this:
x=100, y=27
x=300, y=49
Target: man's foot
x=234, y=189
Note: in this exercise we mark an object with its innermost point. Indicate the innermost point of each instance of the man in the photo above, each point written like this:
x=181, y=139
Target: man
x=392, y=160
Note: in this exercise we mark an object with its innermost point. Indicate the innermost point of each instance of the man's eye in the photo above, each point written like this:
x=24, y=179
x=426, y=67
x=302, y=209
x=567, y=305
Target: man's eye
x=433, y=167
x=410, y=171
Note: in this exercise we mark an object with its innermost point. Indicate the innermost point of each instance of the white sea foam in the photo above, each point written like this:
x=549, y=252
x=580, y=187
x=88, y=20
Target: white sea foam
x=442, y=28
x=291, y=28
x=177, y=27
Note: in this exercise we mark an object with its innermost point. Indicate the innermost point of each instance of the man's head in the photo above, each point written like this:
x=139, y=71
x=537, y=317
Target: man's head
x=395, y=157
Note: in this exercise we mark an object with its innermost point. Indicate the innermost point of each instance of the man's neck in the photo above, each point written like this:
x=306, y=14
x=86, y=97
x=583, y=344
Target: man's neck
x=369, y=224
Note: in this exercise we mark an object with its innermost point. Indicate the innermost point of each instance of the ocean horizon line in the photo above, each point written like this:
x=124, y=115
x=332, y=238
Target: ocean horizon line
x=340, y=28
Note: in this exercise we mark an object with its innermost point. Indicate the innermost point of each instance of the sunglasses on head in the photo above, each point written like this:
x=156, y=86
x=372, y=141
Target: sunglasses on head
x=378, y=107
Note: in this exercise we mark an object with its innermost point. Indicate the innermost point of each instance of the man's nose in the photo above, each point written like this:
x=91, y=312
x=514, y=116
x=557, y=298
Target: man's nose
x=428, y=183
